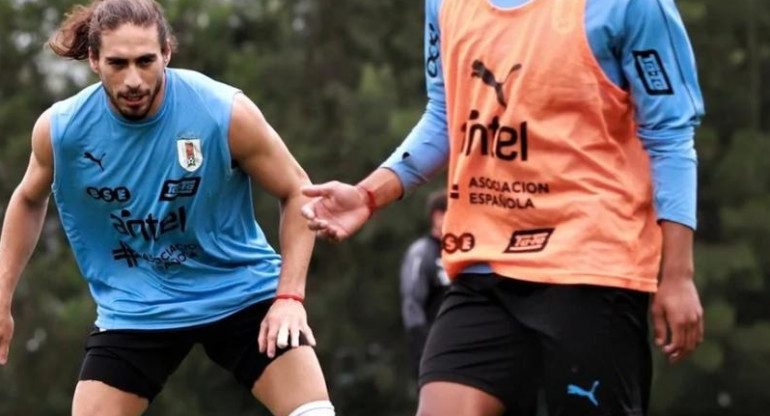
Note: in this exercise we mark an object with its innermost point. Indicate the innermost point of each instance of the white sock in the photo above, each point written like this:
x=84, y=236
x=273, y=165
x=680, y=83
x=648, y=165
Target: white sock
x=317, y=408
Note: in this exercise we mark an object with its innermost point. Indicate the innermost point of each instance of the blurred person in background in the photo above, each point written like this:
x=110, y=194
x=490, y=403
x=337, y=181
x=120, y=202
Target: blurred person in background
x=423, y=281
x=151, y=169
x=567, y=128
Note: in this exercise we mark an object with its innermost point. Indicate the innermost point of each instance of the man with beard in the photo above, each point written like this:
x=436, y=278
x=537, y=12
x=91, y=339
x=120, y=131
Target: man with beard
x=151, y=171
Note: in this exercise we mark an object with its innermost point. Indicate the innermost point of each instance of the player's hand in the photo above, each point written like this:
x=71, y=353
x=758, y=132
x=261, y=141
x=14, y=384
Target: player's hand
x=283, y=324
x=6, y=333
x=677, y=317
x=338, y=210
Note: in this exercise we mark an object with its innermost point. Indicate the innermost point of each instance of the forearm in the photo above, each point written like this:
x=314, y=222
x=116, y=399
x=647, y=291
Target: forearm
x=296, y=246
x=21, y=231
x=384, y=185
x=425, y=151
x=677, y=260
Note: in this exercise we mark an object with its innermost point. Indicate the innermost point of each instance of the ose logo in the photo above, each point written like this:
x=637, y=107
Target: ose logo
x=120, y=194
x=464, y=243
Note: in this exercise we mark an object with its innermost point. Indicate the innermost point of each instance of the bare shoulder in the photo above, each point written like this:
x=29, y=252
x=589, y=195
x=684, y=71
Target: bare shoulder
x=35, y=186
x=245, y=112
x=42, y=149
x=248, y=128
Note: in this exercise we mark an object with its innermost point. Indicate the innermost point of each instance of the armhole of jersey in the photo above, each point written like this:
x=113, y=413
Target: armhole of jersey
x=438, y=5
x=224, y=126
x=55, y=131
x=604, y=76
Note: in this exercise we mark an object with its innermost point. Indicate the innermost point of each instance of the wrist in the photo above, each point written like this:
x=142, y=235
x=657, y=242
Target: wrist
x=6, y=298
x=677, y=273
x=369, y=199
x=5, y=305
x=290, y=296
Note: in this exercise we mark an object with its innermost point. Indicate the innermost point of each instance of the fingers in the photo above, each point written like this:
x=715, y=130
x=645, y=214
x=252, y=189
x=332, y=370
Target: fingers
x=272, y=337
x=325, y=231
x=321, y=227
x=686, y=335
x=309, y=334
x=659, y=324
x=307, y=211
x=701, y=329
x=4, y=346
x=282, y=340
x=263, y=336
x=692, y=338
x=295, y=336
x=268, y=335
x=319, y=190
x=674, y=349
x=318, y=224
x=282, y=328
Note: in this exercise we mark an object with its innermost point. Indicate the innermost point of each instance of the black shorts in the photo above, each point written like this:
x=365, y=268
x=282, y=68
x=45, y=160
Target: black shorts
x=140, y=361
x=585, y=347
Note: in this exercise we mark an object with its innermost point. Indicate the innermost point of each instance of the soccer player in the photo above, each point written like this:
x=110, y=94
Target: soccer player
x=151, y=171
x=567, y=128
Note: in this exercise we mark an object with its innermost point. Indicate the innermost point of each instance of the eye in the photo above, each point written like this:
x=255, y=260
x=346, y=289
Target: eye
x=117, y=63
x=146, y=61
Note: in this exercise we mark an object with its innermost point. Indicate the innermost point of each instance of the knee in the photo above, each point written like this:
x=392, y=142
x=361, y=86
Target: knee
x=316, y=408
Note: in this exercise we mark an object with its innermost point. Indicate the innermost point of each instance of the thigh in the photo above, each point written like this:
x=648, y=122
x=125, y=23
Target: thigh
x=135, y=364
x=291, y=380
x=597, y=355
x=94, y=398
x=441, y=398
x=476, y=343
x=233, y=343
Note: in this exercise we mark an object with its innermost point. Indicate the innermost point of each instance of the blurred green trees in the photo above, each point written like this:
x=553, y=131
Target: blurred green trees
x=342, y=82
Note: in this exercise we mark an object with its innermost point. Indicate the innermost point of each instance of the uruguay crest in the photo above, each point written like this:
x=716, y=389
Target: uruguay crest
x=190, y=154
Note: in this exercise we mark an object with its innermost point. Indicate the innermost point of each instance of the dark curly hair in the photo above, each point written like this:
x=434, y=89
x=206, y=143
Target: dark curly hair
x=81, y=31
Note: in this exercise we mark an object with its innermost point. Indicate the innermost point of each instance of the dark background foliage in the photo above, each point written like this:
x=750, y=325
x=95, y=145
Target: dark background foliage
x=342, y=82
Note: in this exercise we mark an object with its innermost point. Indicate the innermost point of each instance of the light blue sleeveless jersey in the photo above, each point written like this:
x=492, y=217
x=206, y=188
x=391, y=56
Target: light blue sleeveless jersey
x=159, y=218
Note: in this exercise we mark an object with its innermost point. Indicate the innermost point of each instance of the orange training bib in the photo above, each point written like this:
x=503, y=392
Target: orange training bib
x=548, y=180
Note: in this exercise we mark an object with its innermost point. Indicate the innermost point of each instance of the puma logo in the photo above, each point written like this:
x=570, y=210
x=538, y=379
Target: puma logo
x=577, y=391
x=488, y=78
x=93, y=158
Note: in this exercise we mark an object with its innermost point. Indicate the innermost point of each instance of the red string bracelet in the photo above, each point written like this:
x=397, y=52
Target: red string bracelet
x=371, y=202
x=298, y=298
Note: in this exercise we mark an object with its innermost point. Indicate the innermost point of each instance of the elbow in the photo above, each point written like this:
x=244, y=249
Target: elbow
x=29, y=201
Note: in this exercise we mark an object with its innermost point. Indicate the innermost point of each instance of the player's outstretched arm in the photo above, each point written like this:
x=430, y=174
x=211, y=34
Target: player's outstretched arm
x=23, y=224
x=261, y=153
x=339, y=210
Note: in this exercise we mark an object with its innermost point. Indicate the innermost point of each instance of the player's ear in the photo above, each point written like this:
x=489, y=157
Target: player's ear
x=167, y=53
x=93, y=60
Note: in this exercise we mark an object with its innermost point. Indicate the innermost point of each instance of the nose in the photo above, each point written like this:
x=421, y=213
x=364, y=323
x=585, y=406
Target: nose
x=133, y=80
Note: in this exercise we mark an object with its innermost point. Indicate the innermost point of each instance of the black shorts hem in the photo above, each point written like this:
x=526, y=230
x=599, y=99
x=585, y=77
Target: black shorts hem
x=118, y=375
x=249, y=378
x=464, y=380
